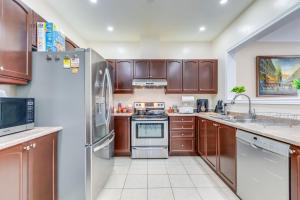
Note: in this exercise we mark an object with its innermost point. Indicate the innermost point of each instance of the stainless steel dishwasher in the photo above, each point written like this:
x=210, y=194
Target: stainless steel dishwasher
x=262, y=168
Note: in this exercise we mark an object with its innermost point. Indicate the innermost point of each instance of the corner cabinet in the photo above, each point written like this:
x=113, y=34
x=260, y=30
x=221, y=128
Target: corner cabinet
x=15, y=42
x=295, y=173
x=122, y=135
x=28, y=170
x=123, y=76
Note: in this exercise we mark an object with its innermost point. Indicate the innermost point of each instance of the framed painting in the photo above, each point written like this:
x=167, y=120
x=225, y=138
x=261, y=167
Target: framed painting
x=275, y=74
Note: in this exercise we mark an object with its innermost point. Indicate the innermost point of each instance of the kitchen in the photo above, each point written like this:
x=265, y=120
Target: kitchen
x=201, y=104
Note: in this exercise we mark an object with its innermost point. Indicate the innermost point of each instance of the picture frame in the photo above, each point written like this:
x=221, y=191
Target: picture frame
x=274, y=75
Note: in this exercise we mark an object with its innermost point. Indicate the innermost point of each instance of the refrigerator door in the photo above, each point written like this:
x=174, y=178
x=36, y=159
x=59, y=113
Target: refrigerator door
x=99, y=166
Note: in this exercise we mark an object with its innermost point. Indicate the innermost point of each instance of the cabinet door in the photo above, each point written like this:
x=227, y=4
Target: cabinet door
x=158, y=69
x=122, y=138
x=208, y=76
x=227, y=155
x=211, y=143
x=190, y=76
x=13, y=173
x=295, y=173
x=174, y=76
x=124, y=76
x=35, y=19
x=201, y=136
x=141, y=69
x=70, y=45
x=42, y=168
x=15, y=45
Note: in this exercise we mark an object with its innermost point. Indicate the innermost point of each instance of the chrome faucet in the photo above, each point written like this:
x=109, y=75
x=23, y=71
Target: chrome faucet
x=251, y=113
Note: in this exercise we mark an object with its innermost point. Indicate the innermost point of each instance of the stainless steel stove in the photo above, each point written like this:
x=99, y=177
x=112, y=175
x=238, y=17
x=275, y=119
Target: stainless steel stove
x=149, y=130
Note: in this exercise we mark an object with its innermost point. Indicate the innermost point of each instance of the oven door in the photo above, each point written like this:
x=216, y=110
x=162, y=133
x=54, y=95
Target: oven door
x=13, y=112
x=149, y=133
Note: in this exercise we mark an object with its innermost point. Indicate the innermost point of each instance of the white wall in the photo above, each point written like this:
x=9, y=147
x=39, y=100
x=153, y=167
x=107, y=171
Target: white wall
x=245, y=60
x=153, y=49
x=148, y=95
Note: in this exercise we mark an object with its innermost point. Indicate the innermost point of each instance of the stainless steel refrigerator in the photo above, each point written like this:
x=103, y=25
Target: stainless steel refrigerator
x=74, y=90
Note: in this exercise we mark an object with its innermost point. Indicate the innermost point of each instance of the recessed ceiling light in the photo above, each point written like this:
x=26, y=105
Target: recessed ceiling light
x=110, y=28
x=223, y=2
x=94, y=1
x=202, y=28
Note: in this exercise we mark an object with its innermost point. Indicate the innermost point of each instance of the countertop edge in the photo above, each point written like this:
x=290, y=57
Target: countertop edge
x=25, y=136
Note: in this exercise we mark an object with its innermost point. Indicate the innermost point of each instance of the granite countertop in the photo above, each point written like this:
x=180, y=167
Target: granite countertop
x=290, y=135
x=122, y=114
x=24, y=136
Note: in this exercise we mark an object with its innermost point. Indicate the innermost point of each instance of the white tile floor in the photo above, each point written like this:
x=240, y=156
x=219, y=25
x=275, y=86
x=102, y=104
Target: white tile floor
x=176, y=178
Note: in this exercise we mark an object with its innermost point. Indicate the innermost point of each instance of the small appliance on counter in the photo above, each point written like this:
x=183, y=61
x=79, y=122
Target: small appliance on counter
x=188, y=103
x=219, y=107
x=17, y=114
x=202, y=105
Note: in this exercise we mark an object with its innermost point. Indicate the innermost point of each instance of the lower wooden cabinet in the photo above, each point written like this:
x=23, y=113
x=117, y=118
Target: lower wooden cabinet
x=295, y=173
x=201, y=136
x=182, y=135
x=28, y=170
x=211, y=143
x=122, y=136
x=227, y=155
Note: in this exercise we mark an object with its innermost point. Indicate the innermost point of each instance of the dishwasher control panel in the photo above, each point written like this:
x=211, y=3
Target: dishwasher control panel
x=264, y=143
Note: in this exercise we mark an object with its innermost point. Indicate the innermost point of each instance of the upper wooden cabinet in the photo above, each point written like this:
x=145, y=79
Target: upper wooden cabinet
x=227, y=155
x=15, y=42
x=70, y=45
x=208, y=76
x=295, y=173
x=122, y=138
x=174, y=76
x=190, y=76
x=158, y=69
x=141, y=69
x=28, y=170
x=123, y=76
x=35, y=19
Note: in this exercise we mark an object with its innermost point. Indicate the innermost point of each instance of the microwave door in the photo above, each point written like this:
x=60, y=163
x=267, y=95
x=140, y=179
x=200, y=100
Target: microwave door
x=13, y=113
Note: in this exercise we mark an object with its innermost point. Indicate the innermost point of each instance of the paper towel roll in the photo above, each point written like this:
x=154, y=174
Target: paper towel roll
x=187, y=99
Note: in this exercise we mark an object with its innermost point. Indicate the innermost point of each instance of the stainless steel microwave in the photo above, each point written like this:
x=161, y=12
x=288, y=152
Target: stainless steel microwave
x=16, y=114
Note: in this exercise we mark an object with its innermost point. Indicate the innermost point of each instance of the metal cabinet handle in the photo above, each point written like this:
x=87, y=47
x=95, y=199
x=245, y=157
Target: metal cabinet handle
x=1, y=68
x=27, y=148
x=215, y=125
x=182, y=145
x=203, y=120
x=33, y=145
x=182, y=127
x=182, y=134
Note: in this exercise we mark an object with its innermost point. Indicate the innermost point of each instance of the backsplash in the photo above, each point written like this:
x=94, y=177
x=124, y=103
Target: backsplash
x=156, y=95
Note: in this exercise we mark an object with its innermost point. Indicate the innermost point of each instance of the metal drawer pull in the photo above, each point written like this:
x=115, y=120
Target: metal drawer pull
x=182, y=134
x=33, y=145
x=27, y=148
x=182, y=145
x=215, y=124
x=292, y=151
x=1, y=68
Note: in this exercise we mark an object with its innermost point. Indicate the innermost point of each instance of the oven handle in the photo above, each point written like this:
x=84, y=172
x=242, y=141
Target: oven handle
x=146, y=148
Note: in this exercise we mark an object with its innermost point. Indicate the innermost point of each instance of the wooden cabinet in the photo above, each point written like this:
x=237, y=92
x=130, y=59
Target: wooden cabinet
x=141, y=69
x=208, y=76
x=158, y=69
x=122, y=137
x=42, y=168
x=28, y=170
x=227, y=154
x=15, y=42
x=123, y=76
x=182, y=135
x=211, y=143
x=190, y=76
x=13, y=173
x=201, y=136
x=295, y=173
x=174, y=76
x=70, y=45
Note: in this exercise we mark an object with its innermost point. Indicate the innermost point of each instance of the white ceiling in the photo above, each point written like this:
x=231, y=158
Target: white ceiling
x=168, y=20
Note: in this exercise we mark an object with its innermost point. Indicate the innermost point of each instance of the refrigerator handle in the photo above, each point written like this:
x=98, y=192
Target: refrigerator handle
x=110, y=104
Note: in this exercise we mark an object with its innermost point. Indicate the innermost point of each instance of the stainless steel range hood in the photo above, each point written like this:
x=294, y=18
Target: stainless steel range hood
x=149, y=82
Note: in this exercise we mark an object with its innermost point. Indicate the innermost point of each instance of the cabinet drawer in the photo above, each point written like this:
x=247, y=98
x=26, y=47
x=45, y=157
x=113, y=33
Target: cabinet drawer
x=182, y=134
x=183, y=145
x=182, y=119
x=176, y=126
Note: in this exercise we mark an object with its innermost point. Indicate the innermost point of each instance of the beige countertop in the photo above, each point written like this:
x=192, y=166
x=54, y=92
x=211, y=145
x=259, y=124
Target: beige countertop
x=122, y=114
x=290, y=135
x=24, y=136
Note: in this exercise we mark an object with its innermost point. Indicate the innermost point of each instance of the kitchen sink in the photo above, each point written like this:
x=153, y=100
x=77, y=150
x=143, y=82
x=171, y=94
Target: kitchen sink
x=232, y=118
